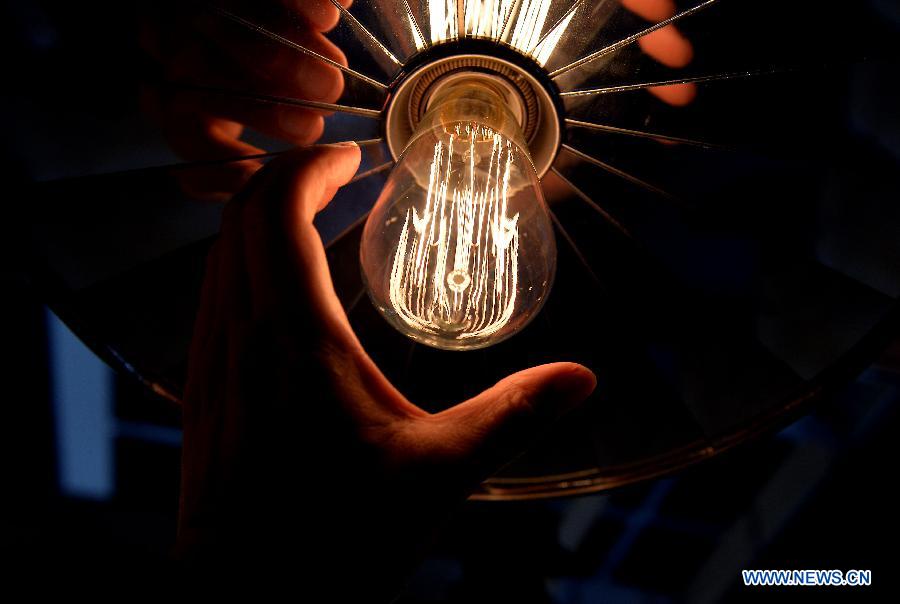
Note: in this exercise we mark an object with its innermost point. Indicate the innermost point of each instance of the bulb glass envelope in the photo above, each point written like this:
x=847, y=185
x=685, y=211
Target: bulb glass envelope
x=459, y=251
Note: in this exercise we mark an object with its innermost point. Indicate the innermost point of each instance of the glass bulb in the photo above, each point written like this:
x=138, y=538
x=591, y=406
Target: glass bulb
x=458, y=252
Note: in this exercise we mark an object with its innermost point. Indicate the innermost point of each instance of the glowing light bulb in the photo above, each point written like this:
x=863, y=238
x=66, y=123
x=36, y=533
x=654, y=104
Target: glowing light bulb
x=458, y=252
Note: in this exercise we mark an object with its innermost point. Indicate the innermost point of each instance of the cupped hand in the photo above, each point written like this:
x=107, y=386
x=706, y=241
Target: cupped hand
x=301, y=461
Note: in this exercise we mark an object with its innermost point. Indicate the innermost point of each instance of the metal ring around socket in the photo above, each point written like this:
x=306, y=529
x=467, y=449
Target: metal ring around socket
x=540, y=122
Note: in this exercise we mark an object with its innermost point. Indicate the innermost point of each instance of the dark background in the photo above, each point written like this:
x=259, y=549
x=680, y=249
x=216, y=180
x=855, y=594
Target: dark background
x=91, y=460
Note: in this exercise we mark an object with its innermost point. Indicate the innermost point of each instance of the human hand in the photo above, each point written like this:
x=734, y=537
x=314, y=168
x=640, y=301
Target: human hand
x=301, y=461
x=196, y=49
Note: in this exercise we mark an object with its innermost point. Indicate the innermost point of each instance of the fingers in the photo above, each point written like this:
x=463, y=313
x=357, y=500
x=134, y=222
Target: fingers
x=198, y=137
x=488, y=431
x=315, y=177
x=321, y=14
x=205, y=50
x=651, y=10
x=667, y=46
x=297, y=125
x=287, y=73
x=286, y=261
x=677, y=95
x=274, y=68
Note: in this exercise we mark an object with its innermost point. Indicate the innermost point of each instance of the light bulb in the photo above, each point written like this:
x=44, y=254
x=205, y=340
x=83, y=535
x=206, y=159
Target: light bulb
x=458, y=252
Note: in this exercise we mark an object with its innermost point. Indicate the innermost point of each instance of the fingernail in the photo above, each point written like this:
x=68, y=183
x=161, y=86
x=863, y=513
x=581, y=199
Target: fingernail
x=341, y=145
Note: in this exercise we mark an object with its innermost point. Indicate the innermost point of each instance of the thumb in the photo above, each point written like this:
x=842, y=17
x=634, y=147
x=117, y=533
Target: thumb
x=486, y=432
x=285, y=257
